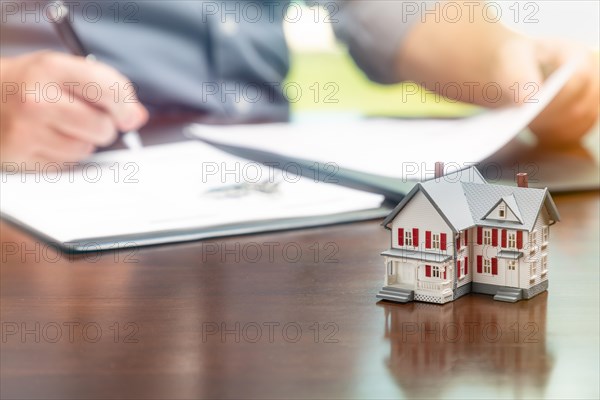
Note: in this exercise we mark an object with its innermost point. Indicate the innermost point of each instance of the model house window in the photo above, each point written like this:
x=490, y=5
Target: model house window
x=533, y=237
x=544, y=264
x=545, y=234
x=408, y=238
x=390, y=269
x=487, y=236
x=532, y=241
x=487, y=266
x=533, y=271
x=512, y=265
x=502, y=211
x=435, y=240
x=435, y=271
x=512, y=240
x=462, y=268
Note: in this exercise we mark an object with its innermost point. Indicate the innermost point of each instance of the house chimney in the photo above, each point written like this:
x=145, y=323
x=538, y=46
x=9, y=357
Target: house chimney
x=522, y=180
x=439, y=169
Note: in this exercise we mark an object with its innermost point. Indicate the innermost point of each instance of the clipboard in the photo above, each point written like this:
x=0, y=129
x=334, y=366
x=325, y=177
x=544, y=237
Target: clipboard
x=183, y=205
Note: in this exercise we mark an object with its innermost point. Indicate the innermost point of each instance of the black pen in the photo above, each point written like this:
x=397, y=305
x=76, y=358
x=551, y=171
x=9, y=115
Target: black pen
x=59, y=15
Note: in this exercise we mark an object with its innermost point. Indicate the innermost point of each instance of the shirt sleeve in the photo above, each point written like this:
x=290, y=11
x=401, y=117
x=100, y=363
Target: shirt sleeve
x=374, y=30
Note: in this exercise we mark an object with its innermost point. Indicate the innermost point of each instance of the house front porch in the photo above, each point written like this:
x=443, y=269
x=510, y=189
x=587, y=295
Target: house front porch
x=415, y=275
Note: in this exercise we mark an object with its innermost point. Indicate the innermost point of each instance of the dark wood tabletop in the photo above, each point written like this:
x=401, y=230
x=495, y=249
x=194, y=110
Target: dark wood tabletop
x=288, y=315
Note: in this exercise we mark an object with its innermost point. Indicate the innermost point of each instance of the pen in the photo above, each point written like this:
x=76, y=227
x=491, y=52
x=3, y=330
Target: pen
x=59, y=15
x=242, y=189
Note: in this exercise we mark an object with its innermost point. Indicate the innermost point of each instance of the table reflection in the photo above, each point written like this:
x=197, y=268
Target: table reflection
x=474, y=341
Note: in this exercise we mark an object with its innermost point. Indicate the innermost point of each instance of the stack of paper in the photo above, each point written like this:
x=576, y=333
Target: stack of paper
x=393, y=148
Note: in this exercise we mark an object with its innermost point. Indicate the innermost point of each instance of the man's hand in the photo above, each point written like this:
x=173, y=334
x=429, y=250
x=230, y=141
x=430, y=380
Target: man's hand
x=59, y=108
x=575, y=109
x=473, y=53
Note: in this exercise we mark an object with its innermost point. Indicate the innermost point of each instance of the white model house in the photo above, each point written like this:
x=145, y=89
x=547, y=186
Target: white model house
x=457, y=234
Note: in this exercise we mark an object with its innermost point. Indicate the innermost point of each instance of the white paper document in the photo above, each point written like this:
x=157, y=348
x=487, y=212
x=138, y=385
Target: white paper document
x=391, y=147
x=185, y=186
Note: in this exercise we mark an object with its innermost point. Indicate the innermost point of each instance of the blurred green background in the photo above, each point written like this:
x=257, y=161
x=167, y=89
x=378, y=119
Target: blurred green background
x=331, y=82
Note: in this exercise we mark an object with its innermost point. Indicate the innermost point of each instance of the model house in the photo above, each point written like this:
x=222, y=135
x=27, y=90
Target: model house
x=457, y=234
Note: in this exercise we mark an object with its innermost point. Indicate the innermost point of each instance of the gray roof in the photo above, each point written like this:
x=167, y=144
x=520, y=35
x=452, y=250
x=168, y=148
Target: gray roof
x=466, y=201
x=529, y=202
x=511, y=204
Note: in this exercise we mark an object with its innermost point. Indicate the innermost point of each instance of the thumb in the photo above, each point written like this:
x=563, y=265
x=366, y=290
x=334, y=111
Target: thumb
x=520, y=74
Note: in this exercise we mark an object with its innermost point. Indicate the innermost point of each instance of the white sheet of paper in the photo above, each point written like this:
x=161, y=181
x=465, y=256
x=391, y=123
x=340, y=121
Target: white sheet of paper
x=162, y=188
x=389, y=147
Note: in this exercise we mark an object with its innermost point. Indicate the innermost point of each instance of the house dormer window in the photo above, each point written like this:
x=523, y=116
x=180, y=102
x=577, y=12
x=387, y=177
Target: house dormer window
x=502, y=211
x=408, y=238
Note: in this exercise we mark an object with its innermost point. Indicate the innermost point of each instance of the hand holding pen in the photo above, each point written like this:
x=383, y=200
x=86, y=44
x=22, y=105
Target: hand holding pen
x=62, y=22
x=59, y=108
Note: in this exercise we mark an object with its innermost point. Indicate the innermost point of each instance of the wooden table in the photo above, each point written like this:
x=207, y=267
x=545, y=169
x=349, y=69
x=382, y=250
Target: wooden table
x=250, y=317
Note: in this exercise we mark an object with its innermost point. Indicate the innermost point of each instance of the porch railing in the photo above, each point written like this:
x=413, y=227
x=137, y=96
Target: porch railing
x=437, y=286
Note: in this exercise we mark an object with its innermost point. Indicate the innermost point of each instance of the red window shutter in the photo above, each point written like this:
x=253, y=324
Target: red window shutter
x=466, y=265
x=443, y=241
x=494, y=237
x=400, y=236
x=427, y=239
x=458, y=242
x=519, y=240
x=494, y=266
x=415, y=237
x=479, y=235
x=504, y=237
x=479, y=264
x=428, y=270
x=466, y=237
x=458, y=269
x=445, y=269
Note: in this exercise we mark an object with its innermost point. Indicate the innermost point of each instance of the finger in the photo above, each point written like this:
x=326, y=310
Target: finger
x=57, y=147
x=82, y=122
x=100, y=85
x=553, y=53
x=573, y=112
